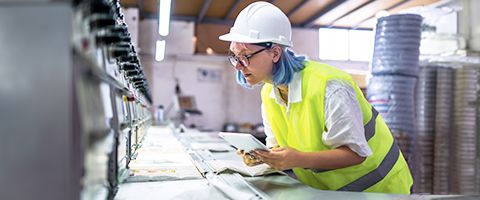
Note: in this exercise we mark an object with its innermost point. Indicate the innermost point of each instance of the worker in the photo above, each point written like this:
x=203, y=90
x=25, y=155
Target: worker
x=325, y=129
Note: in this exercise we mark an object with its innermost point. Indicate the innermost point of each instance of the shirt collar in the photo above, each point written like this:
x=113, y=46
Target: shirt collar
x=294, y=90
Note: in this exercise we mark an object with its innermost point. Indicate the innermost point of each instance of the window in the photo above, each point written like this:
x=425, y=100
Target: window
x=333, y=44
x=343, y=44
x=360, y=45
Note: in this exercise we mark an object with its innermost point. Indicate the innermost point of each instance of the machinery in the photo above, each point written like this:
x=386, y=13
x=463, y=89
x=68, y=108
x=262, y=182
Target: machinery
x=78, y=107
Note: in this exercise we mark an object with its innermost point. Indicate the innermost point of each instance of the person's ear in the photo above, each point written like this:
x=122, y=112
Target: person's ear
x=277, y=53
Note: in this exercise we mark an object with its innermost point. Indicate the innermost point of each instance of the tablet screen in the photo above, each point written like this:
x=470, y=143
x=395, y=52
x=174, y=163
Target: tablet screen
x=243, y=141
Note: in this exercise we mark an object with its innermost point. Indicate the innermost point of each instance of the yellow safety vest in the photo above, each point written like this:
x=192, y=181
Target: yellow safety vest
x=384, y=171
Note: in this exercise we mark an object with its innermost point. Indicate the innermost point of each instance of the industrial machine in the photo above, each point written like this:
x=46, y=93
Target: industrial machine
x=75, y=99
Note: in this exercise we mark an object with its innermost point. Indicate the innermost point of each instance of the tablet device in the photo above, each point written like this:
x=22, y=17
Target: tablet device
x=243, y=141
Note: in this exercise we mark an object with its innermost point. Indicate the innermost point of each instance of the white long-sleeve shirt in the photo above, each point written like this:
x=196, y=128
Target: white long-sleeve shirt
x=343, y=116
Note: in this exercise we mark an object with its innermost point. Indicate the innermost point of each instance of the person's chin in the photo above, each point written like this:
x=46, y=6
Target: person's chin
x=252, y=81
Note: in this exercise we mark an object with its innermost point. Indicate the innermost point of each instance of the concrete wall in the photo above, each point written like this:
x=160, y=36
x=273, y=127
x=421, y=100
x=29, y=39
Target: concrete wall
x=305, y=42
x=221, y=100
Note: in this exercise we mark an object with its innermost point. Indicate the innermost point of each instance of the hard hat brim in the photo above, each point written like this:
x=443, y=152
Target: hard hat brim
x=233, y=37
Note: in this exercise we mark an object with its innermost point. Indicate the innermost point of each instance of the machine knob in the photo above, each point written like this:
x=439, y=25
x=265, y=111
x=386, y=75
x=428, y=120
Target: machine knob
x=100, y=21
x=116, y=52
x=107, y=38
x=129, y=66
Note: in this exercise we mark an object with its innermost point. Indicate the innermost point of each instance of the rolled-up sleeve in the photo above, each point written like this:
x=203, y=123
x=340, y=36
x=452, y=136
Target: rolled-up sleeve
x=344, y=119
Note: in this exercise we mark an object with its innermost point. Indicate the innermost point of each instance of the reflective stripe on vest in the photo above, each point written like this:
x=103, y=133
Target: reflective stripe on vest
x=381, y=171
x=377, y=174
x=369, y=133
x=370, y=126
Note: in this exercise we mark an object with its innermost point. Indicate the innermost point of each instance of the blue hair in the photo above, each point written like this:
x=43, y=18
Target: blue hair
x=283, y=70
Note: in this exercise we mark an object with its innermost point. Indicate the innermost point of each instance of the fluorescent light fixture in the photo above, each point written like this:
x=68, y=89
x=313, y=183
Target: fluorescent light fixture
x=160, y=50
x=164, y=17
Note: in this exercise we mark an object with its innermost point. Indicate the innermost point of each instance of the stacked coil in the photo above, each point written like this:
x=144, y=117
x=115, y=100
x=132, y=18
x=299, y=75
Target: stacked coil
x=425, y=114
x=465, y=130
x=395, y=67
x=443, y=129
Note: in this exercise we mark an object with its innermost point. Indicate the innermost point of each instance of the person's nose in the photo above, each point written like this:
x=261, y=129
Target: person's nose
x=238, y=66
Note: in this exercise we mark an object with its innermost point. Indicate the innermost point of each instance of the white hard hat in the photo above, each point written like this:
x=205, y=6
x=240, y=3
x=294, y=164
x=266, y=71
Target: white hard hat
x=260, y=22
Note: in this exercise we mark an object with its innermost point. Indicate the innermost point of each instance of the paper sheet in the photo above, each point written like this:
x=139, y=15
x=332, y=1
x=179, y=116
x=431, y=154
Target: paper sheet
x=240, y=167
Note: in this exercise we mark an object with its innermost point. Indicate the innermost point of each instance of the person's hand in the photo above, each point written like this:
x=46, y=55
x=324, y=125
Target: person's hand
x=280, y=158
x=249, y=159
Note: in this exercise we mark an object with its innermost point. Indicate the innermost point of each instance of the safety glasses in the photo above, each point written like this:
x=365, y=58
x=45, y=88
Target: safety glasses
x=244, y=60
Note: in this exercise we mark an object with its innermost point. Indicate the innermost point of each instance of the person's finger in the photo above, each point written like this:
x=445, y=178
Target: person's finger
x=258, y=155
x=267, y=159
x=260, y=152
x=263, y=157
x=264, y=150
x=270, y=155
x=276, y=149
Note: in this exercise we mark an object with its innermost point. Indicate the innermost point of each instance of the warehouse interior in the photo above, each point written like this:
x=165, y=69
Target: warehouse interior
x=128, y=99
